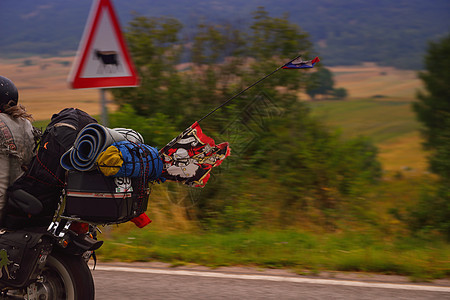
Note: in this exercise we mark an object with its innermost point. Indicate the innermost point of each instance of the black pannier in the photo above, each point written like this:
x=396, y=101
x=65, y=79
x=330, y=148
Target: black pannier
x=22, y=256
x=95, y=198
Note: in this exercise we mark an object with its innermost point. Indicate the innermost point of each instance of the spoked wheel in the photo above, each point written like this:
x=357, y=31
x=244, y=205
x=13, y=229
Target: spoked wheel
x=65, y=277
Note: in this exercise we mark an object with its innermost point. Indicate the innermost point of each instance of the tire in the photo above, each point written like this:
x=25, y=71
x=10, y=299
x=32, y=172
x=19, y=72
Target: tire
x=66, y=277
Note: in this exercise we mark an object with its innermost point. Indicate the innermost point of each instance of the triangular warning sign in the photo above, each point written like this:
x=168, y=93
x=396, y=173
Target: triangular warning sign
x=102, y=60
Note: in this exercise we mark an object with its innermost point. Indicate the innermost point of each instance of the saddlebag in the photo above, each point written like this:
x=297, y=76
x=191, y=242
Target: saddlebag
x=22, y=256
x=93, y=197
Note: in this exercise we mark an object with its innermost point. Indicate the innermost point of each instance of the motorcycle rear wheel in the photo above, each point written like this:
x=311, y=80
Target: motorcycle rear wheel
x=66, y=277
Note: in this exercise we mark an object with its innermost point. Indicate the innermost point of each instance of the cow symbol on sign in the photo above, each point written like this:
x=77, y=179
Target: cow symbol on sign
x=108, y=61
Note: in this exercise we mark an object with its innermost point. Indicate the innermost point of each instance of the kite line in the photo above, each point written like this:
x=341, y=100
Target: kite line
x=295, y=63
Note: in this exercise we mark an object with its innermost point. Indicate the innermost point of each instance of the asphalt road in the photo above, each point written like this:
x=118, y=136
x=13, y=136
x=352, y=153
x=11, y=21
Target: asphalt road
x=157, y=281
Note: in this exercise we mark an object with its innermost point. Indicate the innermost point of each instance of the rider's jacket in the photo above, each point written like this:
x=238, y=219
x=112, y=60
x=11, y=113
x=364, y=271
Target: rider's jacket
x=16, y=150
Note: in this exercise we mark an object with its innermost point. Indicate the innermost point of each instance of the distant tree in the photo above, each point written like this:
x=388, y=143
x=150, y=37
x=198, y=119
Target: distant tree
x=272, y=41
x=433, y=111
x=321, y=82
x=276, y=36
x=156, y=50
x=433, y=107
x=219, y=64
x=340, y=93
x=28, y=62
x=216, y=56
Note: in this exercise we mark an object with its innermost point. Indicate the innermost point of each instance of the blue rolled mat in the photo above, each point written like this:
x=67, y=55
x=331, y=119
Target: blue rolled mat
x=90, y=142
x=139, y=160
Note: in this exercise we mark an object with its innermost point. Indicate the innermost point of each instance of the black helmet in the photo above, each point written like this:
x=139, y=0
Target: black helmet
x=8, y=93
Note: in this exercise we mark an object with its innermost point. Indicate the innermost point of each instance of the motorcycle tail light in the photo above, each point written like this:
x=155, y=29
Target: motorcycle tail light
x=79, y=228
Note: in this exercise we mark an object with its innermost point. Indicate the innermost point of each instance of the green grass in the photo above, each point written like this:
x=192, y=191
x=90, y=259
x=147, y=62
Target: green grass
x=41, y=124
x=381, y=120
x=419, y=258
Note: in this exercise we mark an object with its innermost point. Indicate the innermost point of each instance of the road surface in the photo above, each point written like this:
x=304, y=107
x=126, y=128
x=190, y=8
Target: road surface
x=158, y=281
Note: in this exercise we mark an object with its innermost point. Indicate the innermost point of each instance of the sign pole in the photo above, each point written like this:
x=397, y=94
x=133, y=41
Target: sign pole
x=104, y=109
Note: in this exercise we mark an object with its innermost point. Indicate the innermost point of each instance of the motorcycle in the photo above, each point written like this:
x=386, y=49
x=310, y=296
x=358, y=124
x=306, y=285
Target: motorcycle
x=51, y=262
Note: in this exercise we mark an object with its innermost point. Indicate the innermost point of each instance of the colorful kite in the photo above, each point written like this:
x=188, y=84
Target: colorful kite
x=301, y=64
x=190, y=157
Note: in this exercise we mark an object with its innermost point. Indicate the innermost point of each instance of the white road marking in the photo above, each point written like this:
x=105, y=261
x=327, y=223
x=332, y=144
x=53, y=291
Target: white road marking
x=428, y=288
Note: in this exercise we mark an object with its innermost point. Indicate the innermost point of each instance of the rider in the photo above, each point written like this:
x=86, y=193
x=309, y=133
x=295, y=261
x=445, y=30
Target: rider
x=17, y=138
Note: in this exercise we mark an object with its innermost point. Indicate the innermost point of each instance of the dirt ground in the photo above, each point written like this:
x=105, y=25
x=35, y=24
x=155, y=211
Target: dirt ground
x=369, y=80
x=44, y=89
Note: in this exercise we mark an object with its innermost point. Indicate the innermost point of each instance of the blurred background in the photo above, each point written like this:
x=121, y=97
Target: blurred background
x=341, y=167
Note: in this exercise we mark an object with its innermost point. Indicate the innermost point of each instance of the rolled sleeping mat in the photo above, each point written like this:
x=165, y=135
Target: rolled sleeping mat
x=90, y=142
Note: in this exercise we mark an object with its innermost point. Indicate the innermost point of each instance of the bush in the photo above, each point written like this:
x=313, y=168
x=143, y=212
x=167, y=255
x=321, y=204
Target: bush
x=340, y=93
x=432, y=212
x=157, y=130
x=295, y=169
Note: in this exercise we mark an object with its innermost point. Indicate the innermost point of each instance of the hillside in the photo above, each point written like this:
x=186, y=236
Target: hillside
x=345, y=33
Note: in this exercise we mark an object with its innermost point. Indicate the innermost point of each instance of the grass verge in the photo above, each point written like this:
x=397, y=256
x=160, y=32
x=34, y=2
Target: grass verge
x=419, y=258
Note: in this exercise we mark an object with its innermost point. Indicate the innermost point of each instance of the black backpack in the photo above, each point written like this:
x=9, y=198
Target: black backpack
x=45, y=178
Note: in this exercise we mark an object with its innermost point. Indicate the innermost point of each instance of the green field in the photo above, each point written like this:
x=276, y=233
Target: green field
x=381, y=120
x=389, y=123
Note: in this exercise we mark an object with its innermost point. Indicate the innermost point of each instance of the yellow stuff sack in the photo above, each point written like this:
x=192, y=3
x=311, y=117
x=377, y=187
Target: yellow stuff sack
x=110, y=161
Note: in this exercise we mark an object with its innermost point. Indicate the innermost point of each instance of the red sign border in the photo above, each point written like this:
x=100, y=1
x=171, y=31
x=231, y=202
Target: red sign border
x=76, y=81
